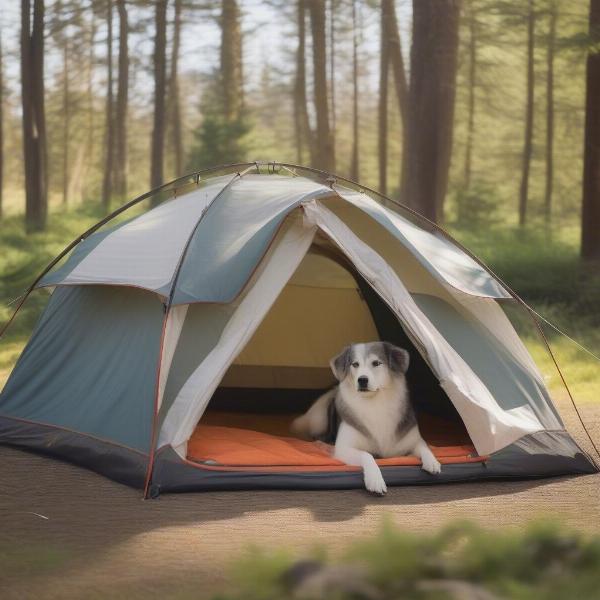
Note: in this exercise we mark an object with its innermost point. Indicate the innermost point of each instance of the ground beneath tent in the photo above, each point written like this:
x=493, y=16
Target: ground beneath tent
x=68, y=533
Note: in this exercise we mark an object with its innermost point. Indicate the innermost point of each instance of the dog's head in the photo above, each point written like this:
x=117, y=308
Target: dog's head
x=370, y=367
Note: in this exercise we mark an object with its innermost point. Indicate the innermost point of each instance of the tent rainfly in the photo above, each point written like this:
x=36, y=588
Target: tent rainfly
x=177, y=345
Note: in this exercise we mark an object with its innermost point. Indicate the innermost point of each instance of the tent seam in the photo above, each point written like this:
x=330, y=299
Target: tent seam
x=68, y=430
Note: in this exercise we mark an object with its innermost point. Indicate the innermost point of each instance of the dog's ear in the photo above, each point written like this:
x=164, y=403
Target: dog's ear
x=398, y=358
x=340, y=364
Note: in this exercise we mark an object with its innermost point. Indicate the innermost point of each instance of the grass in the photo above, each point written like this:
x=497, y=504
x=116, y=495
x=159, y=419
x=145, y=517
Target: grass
x=542, y=562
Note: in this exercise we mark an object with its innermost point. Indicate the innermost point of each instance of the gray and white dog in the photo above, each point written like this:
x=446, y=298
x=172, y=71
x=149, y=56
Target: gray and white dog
x=375, y=414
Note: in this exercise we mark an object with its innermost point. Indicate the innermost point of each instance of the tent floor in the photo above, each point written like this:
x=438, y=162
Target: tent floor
x=246, y=441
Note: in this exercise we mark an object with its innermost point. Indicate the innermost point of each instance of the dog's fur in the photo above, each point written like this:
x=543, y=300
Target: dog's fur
x=376, y=417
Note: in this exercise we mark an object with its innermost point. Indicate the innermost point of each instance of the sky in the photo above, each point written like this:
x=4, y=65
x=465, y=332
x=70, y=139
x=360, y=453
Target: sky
x=269, y=38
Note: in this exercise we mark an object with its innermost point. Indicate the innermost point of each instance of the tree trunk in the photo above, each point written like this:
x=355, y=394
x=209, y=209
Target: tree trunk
x=304, y=137
x=590, y=213
x=471, y=84
x=174, y=101
x=324, y=148
x=90, y=99
x=550, y=114
x=120, y=173
x=528, y=143
x=354, y=162
x=34, y=121
x=332, y=6
x=400, y=84
x=158, y=131
x=384, y=69
x=431, y=105
x=231, y=61
x=1, y=128
x=107, y=180
x=66, y=122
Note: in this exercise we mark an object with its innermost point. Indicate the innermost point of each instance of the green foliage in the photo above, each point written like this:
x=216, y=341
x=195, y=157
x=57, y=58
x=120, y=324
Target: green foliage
x=477, y=206
x=219, y=142
x=542, y=562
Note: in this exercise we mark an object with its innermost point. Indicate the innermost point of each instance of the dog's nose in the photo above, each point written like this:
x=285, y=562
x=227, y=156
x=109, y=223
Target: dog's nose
x=363, y=382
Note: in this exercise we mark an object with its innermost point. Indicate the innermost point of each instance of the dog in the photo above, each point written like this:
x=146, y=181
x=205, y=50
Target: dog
x=371, y=409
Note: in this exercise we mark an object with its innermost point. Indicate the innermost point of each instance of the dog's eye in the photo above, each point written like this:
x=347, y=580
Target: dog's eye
x=355, y=364
x=376, y=363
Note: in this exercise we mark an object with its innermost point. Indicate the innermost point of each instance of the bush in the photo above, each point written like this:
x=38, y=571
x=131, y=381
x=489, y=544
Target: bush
x=462, y=560
x=476, y=207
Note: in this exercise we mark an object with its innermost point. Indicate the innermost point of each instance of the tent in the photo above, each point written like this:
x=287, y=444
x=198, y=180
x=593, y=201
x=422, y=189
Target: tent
x=177, y=345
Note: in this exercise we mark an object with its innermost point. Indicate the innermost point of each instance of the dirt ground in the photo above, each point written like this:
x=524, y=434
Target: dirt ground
x=68, y=533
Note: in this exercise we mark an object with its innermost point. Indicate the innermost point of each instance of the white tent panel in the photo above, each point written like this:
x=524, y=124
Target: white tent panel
x=173, y=328
x=145, y=251
x=193, y=397
x=490, y=427
x=440, y=256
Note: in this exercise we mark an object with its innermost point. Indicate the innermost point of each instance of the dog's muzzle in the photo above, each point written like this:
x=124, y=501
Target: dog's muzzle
x=363, y=384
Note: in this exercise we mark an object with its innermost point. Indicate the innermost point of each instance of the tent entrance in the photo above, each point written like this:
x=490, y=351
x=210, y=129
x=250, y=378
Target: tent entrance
x=325, y=306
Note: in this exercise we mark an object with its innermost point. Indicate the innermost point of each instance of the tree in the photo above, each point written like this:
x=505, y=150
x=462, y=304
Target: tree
x=231, y=61
x=221, y=136
x=1, y=127
x=590, y=213
x=430, y=105
x=553, y=10
x=529, y=109
x=301, y=121
x=471, y=85
x=109, y=121
x=400, y=84
x=332, y=17
x=34, y=117
x=384, y=69
x=120, y=173
x=158, y=130
x=174, y=102
x=324, y=147
x=354, y=161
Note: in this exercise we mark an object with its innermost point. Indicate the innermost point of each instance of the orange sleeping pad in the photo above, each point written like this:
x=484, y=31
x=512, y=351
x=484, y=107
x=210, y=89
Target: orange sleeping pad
x=216, y=446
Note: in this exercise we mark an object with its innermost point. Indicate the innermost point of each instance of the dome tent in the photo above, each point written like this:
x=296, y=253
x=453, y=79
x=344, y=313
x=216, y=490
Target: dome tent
x=170, y=336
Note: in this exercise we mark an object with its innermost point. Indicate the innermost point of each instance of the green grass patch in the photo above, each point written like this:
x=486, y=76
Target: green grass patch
x=544, y=562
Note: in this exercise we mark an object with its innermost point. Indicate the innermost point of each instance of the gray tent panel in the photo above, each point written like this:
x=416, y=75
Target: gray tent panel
x=204, y=324
x=235, y=233
x=90, y=365
x=508, y=382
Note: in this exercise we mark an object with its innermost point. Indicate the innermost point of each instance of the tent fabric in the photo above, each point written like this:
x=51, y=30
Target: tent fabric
x=439, y=256
x=229, y=237
x=479, y=410
x=90, y=365
x=235, y=234
x=255, y=281
x=173, y=328
x=143, y=252
x=490, y=426
x=542, y=454
x=196, y=392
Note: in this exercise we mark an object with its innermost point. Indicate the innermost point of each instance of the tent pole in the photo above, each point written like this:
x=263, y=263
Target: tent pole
x=168, y=306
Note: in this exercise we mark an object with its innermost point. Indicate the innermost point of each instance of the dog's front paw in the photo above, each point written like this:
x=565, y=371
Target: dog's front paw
x=374, y=482
x=431, y=465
